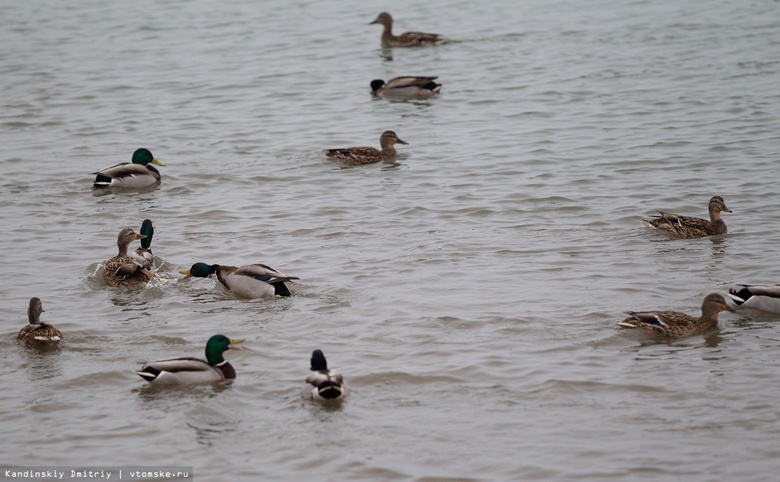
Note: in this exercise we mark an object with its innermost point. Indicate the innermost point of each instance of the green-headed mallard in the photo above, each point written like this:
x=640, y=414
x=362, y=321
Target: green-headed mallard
x=322, y=384
x=122, y=269
x=189, y=371
x=760, y=297
x=38, y=331
x=248, y=281
x=368, y=155
x=135, y=175
x=143, y=254
x=689, y=227
x=408, y=39
x=407, y=86
x=674, y=324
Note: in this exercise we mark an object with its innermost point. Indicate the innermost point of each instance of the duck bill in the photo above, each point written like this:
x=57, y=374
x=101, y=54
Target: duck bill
x=159, y=163
x=185, y=272
x=140, y=236
x=399, y=141
x=234, y=344
x=730, y=309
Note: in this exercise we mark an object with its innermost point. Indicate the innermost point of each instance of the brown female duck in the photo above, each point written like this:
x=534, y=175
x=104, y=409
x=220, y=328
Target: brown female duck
x=408, y=39
x=368, y=155
x=122, y=269
x=37, y=331
x=675, y=324
x=689, y=227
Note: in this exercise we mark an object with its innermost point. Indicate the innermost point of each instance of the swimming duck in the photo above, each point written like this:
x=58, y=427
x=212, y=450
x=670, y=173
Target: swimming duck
x=760, y=297
x=143, y=254
x=249, y=281
x=408, y=86
x=368, y=155
x=674, y=324
x=124, y=270
x=408, y=39
x=188, y=371
x=135, y=175
x=688, y=227
x=322, y=384
x=37, y=330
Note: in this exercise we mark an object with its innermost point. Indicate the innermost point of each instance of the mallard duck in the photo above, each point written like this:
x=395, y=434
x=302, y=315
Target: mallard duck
x=323, y=384
x=368, y=155
x=37, y=330
x=674, y=324
x=143, y=254
x=408, y=39
x=188, y=370
x=408, y=86
x=124, y=270
x=689, y=227
x=135, y=175
x=249, y=281
x=760, y=297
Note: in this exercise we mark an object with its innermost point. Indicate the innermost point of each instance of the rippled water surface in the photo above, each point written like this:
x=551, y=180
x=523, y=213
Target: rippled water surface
x=468, y=291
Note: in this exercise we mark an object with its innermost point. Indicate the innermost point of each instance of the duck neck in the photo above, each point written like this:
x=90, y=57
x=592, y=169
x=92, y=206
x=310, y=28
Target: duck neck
x=123, y=249
x=387, y=33
x=389, y=151
x=709, y=313
x=715, y=216
x=33, y=316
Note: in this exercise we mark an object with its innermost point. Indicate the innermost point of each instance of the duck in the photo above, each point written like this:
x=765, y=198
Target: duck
x=322, y=384
x=675, y=324
x=689, y=227
x=190, y=371
x=248, y=281
x=143, y=254
x=407, y=86
x=133, y=175
x=122, y=269
x=760, y=297
x=408, y=39
x=38, y=331
x=368, y=155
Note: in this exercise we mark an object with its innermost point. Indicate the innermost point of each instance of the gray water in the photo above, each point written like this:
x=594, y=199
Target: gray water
x=468, y=291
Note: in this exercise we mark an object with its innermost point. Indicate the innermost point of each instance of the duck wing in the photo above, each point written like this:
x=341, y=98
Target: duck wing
x=409, y=81
x=263, y=272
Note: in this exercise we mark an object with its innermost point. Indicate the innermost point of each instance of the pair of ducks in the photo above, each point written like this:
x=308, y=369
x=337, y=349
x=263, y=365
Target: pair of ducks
x=665, y=323
x=674, y=324
x=140, y=173
x=136, y=268
x=322, y=384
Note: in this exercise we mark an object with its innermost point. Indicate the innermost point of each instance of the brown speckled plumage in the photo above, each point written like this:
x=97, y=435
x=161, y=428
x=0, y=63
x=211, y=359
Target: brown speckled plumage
x=368, y=155
x=689, y=227
x=37, y=331
x=676, y=324
x=122, y=269
x=408, y=39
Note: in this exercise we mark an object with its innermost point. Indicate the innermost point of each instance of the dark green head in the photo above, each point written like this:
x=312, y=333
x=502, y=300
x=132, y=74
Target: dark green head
x=217, y=345
x=376, y=85
x=144, y=156
x=318, y=361
x=200, y=270
x=147, y=229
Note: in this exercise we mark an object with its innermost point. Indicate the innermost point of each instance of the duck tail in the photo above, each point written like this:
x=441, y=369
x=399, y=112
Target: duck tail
x=102, y=181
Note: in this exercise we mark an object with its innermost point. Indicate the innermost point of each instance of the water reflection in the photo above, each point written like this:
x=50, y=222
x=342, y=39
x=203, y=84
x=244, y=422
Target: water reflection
x=42, y=360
